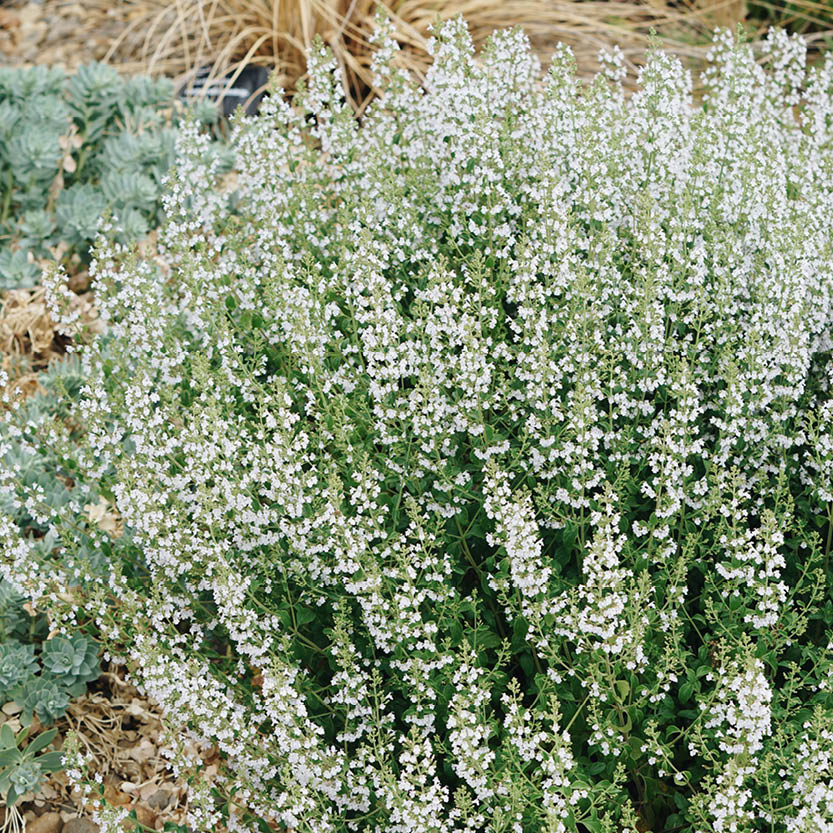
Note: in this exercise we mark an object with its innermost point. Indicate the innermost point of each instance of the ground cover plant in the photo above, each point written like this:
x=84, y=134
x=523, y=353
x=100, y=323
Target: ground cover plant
x=71, y=149
x=475, y=461
x=40, y=671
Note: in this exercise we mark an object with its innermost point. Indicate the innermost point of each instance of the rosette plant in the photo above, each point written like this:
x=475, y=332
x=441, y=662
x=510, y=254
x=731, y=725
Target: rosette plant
x=72, y=661
x=475, y=458
x=72, y=149
x=45, y=688
x=22, y=768
x=17, y=665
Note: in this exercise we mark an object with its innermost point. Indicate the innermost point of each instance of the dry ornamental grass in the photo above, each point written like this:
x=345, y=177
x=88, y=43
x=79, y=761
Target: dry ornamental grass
x=175, y=38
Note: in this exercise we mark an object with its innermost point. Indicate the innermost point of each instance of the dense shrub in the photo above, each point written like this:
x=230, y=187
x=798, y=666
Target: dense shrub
x=476, y=461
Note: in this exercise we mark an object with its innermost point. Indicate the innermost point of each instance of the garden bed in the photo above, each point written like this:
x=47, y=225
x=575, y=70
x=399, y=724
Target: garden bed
x=632, y=547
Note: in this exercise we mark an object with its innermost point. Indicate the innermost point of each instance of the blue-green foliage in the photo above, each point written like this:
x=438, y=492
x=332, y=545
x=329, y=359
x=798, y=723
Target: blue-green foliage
x=71, y=661
x=60, y=386
x=16, y=270
x=72, y=150
x=42, y=675
x=22, y=767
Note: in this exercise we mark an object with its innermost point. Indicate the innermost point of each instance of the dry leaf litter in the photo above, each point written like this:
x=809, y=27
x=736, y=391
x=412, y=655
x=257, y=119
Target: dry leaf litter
x=121, y=733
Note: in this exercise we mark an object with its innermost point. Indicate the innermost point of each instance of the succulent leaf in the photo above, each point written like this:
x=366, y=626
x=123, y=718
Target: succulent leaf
x=44, y=697
x=36, y=153
x=18, y=667
x=16, y=270
x=71, y=659
x=78, y=210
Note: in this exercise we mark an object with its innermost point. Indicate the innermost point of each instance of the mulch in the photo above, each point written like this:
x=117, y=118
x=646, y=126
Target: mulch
x=48, y=33
x=121, y=734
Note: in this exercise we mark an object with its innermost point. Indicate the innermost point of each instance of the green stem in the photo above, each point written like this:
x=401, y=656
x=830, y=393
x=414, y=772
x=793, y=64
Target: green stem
x=826, y=568
x=576, y=713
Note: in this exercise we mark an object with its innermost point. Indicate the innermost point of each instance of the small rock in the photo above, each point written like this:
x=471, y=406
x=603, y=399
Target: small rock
x=159, y=800
x=80, y=826
x=145, y=817
x=12, y=708
x=47, y=823
x=48, y=792
x=143, y=752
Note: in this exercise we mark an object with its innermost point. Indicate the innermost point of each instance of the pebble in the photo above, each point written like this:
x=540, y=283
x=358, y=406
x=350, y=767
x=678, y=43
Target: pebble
x=80, y=826
x=47, y=823
x=12, y=708
x=159, y=800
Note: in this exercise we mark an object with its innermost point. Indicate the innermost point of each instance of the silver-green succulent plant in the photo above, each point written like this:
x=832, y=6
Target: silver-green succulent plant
x=74, y=149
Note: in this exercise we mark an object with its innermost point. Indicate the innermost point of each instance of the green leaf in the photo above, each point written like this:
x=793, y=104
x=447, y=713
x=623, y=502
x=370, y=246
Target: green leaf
x=41, y=741
x=484, y=638
x=593, y=825
x=627, y=724
x=304, y=615
x=527, y=664
x=51, y=761
x=519, y=630
x=10, y=756
x=622, y=690
x=569, y=535
x=7, y=736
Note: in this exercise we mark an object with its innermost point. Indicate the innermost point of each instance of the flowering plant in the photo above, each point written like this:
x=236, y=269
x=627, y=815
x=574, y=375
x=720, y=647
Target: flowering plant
x=475, y=460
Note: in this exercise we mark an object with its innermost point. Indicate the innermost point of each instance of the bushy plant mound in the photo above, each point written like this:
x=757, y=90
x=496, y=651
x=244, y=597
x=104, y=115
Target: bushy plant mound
x=476, y=461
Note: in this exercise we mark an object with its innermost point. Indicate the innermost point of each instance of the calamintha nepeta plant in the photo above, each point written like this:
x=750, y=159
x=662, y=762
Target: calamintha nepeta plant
x=475, y=460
